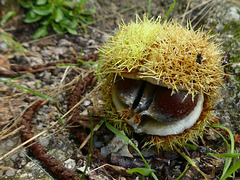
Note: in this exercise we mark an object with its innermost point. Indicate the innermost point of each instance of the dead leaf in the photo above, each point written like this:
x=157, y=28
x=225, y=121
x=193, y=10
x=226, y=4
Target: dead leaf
x=5, y=70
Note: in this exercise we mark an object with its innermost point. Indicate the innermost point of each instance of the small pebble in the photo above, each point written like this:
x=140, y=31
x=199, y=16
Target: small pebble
x=44, y=142
x=70, y=164
x=10, y=143
x=3, y=46
x=64, y=42
x=10, y=173
x=86, y=103
x=1, y=172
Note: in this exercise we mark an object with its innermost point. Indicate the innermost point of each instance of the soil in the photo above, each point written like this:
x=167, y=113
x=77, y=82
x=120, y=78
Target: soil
x=40, y=136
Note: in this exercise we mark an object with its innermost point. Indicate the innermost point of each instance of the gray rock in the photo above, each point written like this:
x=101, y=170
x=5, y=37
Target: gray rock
x=64, y=42
x=3, y=46
x=35, y=60
x=44, y=142
x=233, y=14
x=14, y=156
x=10, y=173
x=60, y=50
x=46, y=52
x=26, y=45
x=117, y=145
x=10, y=143
x=35, y=49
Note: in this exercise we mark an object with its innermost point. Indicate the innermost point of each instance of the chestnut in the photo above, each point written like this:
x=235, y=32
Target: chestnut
x=161, y=80
x=168, y=108
x=161, y=112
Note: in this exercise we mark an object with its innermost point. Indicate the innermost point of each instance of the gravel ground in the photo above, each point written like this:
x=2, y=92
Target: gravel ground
x=223, y=17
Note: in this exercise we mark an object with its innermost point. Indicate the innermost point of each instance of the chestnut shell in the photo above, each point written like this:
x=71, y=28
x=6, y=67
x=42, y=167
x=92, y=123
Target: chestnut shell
x=160, y=111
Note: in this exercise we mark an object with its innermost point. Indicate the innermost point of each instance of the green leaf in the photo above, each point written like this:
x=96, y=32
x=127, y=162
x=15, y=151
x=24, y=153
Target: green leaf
x=46, y=22
x=32, y=17
x=83, y=26
x=58, y=14
x=88, y=12
x=43, y=10
x=65, y=23
x=72, y=31
x=71, y=13
x=68, y=4
x=85, y=19
x=41, y=2
x=142, y=171
x=60, y=120
x=27, y=4
x=7, y=17
x=83, y=2
x=40, y=32
x=56, y=28
x=58, y=3
x=74, y=23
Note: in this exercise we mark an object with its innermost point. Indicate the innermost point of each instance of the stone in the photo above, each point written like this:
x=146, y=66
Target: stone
x=64, y=42
x=3, y=46
x=116, y=145
x=10, y=172
x=86, y=103
x=70, y=164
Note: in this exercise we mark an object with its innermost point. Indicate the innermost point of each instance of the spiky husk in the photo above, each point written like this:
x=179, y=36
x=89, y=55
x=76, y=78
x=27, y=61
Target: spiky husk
x=166, y=52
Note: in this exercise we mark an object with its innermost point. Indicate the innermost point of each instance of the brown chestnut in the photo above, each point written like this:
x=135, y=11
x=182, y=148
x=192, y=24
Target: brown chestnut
x=167, y=108
x=161, y=112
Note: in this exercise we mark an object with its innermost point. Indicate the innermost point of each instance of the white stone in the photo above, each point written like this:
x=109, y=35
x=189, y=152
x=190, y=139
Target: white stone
x=70, y=164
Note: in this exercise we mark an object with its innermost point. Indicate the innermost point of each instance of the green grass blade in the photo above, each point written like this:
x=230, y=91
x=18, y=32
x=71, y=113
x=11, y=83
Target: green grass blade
x=28, y=89
x=230, y=134
x=230, y=149
x=226, y=155
x=142, y=171
x=7, y=17
x=224, y=139
x=87, y=64
x=127, y=140
x=185, y=170
x=66, y=64
x=190, y=161
x=169, y=10
x=91, y=147
x=231, y=170
x=191, y=146
x=16, y=46
x=149, y=8
x=50, y=177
